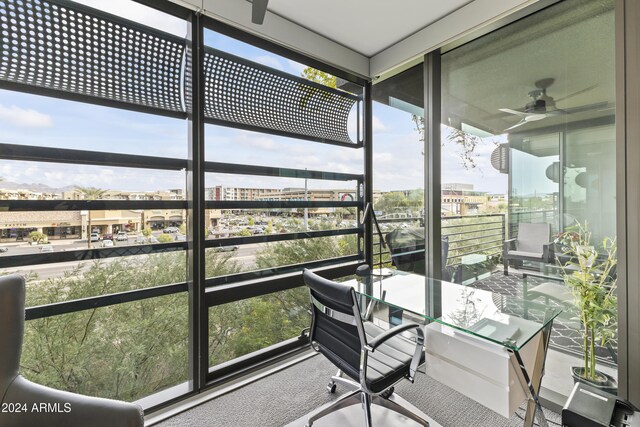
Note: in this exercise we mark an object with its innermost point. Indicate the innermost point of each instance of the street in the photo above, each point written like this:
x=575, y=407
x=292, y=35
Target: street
x=244, y=255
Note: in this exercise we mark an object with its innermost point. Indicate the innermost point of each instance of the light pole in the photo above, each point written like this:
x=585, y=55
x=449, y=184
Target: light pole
x=306, y=199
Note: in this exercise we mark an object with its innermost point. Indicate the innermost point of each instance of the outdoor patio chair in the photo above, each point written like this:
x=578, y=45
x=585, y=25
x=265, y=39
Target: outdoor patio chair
x=532, y=244
x=40, y=405
x=408, y=254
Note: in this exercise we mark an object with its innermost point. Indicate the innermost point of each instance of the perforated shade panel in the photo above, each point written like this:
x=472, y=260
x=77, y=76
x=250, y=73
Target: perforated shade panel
x=245, y=93
x=71, y=48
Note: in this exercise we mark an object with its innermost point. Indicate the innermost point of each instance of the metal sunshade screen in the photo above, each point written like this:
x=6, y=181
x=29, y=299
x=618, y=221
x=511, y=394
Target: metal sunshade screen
x=249, y=95
x=67, y=47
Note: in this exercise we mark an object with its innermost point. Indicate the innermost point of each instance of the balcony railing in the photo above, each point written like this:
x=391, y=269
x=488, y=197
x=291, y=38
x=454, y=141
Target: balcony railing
x=469, y=234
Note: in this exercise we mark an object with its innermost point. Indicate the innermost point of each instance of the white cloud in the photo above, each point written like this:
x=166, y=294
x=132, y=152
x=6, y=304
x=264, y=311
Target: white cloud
x=24, y=118
x=254, y=140
x=269, y=61
x=378, y=126
x=296, y=66
x=139, y=13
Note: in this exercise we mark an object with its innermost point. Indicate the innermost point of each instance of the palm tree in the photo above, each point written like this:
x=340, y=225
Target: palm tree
x=90, y=193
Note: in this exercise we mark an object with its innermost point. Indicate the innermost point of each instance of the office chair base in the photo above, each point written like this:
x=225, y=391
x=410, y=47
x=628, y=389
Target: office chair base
x=335, y=380
x=349, y=399
x=387, y=393
x=386, y=400
x=391, y=404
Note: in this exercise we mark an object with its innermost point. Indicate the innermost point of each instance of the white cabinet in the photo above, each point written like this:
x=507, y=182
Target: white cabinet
x=478, y=368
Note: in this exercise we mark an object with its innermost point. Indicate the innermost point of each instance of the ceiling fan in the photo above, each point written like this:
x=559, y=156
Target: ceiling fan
x=258, y=10
x=542, y=105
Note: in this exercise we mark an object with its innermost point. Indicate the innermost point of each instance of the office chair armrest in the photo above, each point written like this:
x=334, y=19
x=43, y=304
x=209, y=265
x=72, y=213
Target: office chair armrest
x=380, y=339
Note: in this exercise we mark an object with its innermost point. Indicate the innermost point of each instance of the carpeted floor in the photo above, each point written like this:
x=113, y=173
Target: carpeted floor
x=289, y=394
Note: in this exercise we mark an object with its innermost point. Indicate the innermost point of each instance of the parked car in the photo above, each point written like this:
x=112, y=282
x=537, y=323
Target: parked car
x=226, y=248
x=95, y=237
x=107, y=237
x=171, y=230
x=46, y=248
x=107, y=243
x=122, y=236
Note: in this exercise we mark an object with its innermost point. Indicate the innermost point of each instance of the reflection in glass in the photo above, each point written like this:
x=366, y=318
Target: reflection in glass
x=543, y=91
x=535, y=181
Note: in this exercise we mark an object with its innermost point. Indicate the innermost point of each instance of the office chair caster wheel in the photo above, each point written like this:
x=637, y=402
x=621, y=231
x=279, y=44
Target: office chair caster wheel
x=331, y=387
x=387, y=393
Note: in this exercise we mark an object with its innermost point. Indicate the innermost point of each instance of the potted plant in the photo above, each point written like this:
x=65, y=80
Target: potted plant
x=590, y=273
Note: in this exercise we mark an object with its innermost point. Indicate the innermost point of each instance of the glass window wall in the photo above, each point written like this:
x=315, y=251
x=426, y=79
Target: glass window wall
x=398, y=171
x=528, y=116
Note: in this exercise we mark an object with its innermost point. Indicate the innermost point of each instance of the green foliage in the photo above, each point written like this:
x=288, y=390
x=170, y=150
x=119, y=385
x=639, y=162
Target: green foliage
x=345, y=213
x=251, y=221
x=496, y=209
x=147, y=232
x=219, y=264
x=415, y=200
x=91, y=193
x=297, y=251
x=391, y=202
x=38, y=237
x=476, y=230
x=534, y=203
x=125, y=351
x=183, y=228
x=165, y=238
x=466, y=141
x=590, y=273
x=128, y=351
x=319, y=77
x=244, y=233
x=348, y=245
x=241, y=327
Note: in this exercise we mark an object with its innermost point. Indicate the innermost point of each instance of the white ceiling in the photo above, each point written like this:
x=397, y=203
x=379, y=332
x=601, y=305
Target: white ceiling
x=365, y=26
x=366, y=37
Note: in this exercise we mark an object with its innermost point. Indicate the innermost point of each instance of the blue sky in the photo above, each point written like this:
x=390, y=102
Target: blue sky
x=42, y=121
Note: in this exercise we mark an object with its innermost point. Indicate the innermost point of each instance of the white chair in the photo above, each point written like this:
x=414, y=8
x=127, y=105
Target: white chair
x=532, y=244
x=46, y=406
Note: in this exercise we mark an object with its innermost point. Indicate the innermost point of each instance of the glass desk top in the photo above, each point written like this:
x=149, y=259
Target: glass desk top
x=502, y=319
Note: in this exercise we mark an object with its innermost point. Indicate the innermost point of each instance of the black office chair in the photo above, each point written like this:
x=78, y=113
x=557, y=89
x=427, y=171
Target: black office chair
x=373, y=358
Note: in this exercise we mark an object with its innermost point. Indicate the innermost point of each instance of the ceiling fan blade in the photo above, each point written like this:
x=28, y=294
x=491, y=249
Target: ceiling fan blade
x=510, y=111
x=258, y=10
x=520, y=123
x=557, y=112
x=586, y=89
